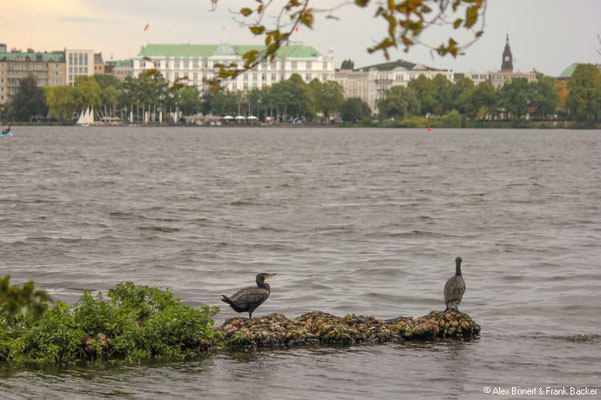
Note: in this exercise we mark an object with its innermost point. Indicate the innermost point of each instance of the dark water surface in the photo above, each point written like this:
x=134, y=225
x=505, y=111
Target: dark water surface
x=352, y=220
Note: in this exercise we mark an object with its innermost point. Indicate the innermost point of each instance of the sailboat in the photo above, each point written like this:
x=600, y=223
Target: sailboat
x=86, y=118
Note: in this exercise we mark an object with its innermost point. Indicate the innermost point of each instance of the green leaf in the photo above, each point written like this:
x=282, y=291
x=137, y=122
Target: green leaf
x=257, y=29
x=471, y=16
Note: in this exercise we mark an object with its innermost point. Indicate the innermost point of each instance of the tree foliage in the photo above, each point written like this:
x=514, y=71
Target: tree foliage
x=15, y=300
x=405, y=21
x=63, y=101
x=399, y=102
x=28, y=103
x=354, y=110
x=347, y=64
x=584, y=99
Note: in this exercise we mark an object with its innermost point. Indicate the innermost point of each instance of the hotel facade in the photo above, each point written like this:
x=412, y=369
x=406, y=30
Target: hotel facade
x=193, y=64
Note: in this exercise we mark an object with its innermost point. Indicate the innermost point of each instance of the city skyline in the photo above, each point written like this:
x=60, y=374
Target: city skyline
x=117, y=29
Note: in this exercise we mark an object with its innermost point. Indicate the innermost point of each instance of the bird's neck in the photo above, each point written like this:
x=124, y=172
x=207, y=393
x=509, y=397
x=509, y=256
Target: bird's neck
x=263, y=285
x=458, y=268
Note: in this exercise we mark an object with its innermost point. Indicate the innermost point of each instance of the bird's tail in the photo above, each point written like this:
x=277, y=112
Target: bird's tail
x=231, y=302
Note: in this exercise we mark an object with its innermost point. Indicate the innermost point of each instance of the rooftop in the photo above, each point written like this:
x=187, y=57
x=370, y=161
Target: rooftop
x=399, y=64
x=208, y=50
x=567, y=73
x=122, y=63
x=58, y=56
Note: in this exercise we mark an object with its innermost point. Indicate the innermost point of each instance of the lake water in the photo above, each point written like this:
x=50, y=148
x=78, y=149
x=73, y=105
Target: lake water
x=365, y=221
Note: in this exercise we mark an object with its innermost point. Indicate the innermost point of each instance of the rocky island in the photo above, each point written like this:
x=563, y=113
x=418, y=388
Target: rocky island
x=275, y=330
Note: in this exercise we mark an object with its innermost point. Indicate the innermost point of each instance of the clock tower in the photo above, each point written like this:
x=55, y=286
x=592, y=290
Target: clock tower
x=507, y=64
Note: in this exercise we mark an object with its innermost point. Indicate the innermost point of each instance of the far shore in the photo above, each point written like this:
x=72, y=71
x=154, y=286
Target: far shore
x=411, y=124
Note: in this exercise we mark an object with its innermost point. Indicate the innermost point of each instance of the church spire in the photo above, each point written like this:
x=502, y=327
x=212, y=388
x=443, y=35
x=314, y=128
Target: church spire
x=507, y=62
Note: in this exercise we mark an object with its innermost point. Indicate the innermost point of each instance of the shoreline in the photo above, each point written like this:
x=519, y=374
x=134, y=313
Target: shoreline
x=403, y=124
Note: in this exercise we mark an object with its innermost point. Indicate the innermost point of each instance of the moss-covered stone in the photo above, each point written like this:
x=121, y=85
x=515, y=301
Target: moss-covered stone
x=317, y=327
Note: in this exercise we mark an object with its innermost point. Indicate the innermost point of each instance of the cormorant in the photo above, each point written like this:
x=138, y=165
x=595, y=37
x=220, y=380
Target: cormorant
x=249, y=298
x=454, y=288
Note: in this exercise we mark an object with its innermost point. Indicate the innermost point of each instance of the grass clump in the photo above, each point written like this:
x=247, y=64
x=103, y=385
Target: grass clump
x=132, y=322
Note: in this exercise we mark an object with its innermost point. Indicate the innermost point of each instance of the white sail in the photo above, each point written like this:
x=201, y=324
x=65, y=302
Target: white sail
x=91, y=116
x=81, y=118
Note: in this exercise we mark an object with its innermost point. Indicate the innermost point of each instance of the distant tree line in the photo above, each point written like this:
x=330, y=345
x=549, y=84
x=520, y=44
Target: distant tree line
x=543, y=99
x=292, y=99
x=150, y=92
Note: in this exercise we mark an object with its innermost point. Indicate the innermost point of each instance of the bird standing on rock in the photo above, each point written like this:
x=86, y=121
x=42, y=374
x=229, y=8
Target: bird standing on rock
x=454, y=288
x=249, y=298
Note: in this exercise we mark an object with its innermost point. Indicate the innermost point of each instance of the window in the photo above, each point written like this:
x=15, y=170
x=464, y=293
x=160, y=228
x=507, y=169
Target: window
x=245, y=86
x=293, y=65
x=325, y=65
x=85, y=59
x=195, y=63
x=195, y=77
x=254, y=77
x=309, y=65
x=235, y=86
x=263, y=77
x=273, y=77
x=70, y=58
x=307, y=77
x=245, y=76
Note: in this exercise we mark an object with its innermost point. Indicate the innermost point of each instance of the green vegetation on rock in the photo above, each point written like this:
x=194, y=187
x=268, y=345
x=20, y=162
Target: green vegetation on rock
x=133, y=323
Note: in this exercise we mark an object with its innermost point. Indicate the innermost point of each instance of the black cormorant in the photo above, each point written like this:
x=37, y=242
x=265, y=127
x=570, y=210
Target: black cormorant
x=249, y=298
x=454, y=288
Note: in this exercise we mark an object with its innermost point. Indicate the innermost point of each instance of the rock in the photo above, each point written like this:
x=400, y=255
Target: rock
x=275, y=330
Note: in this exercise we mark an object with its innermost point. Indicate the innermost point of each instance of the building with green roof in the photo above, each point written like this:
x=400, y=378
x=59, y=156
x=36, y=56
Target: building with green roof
x=120, y=68
x=569, y=71
x=48, y=68
x=195, y=63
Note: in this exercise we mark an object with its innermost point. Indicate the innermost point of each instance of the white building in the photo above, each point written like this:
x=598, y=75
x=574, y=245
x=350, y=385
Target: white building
x=191, y=64
x=498, y=78
x=371, y=83
x=78, y=62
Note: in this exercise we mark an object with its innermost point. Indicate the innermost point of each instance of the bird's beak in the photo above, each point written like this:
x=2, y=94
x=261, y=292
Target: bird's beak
x=269, y=275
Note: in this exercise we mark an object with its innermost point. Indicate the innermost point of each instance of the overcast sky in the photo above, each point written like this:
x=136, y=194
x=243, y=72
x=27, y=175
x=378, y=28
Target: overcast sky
x=546, y=35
